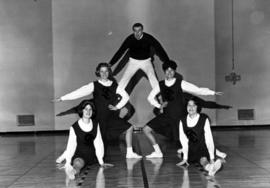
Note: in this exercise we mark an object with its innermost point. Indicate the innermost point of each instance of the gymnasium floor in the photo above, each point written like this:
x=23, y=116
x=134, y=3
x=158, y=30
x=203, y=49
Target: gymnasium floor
x=28, y=161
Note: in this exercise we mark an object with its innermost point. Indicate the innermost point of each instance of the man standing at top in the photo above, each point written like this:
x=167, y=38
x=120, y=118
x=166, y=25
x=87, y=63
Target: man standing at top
x=139, y=46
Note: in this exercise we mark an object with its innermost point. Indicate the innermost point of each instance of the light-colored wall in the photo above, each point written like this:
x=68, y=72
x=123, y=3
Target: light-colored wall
x=49, y=48
x=87, y=32
x=26, y=66
x=252, y=49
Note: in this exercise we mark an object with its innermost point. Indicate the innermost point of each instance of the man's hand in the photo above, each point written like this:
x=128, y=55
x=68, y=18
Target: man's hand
x=56, y=100
x=218, y=93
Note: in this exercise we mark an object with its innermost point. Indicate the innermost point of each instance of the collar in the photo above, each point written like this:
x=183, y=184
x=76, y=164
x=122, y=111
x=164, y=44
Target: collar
x=170, y=82
x=105, y=83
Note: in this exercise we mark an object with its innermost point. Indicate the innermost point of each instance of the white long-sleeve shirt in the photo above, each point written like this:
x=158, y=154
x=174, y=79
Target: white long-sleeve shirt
x=72, y=142
x=191, y=122
x=186, y=86
x=88, y=89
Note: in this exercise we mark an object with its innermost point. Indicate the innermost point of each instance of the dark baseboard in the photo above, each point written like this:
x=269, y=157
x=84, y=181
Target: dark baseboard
x=36, y=133
x=65, y=132
x=240, y=127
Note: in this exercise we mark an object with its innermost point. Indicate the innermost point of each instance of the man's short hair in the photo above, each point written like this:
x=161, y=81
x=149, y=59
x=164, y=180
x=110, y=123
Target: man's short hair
x=137, y=25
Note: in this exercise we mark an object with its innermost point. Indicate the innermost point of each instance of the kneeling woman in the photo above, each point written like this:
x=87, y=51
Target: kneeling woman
x=85, y=145
x=197, y=140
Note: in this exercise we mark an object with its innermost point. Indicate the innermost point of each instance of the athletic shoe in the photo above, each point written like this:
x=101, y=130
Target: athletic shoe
x=155, y=155
x=132, y=155
x=215, y=167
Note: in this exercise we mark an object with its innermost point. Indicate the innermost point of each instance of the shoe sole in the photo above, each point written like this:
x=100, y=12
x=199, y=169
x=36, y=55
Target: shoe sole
x=150, y=157
x=133, y=157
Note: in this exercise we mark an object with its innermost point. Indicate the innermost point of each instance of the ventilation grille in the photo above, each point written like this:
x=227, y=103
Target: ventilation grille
x=26, y=120
x=245, y=114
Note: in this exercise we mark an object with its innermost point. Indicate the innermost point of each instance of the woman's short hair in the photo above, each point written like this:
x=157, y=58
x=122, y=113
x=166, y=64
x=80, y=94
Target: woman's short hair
x=103, y=64
x=169, y=64
x=197, y=103
x=83, y=104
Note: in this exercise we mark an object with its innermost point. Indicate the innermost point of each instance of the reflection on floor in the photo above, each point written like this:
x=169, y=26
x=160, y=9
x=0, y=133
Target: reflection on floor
x=29, y=161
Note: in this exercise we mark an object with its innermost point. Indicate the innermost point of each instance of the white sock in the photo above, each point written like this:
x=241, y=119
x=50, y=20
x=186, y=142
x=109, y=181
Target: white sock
x=220, y=154
x=157, y=148
x=129, y=150
x=207, y=167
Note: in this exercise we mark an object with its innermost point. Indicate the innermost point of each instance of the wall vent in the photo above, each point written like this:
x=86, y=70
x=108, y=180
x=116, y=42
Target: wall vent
x=25, y=120
x=245, y=114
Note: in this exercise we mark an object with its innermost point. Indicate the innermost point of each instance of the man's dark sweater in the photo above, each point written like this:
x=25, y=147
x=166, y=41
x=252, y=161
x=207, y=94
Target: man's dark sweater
x=140, y=49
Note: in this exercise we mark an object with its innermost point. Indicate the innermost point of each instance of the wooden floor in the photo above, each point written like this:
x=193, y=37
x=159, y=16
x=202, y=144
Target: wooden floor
x=29, y=161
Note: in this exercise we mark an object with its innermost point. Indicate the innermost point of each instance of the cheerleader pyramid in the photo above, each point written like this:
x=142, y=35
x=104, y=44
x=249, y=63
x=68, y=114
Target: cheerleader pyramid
x=176, y=120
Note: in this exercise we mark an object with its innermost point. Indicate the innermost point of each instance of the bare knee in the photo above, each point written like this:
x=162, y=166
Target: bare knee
x=147, y=130
x=78, y=164
x=204, y=161
x=129, y=130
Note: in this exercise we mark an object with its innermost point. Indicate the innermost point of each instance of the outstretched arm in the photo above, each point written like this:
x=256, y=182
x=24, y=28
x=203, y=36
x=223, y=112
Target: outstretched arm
x=206, y=104
x=212, y=104
x=161, y=53
x=120, y=52
x=191, y=88
x=78, y=93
